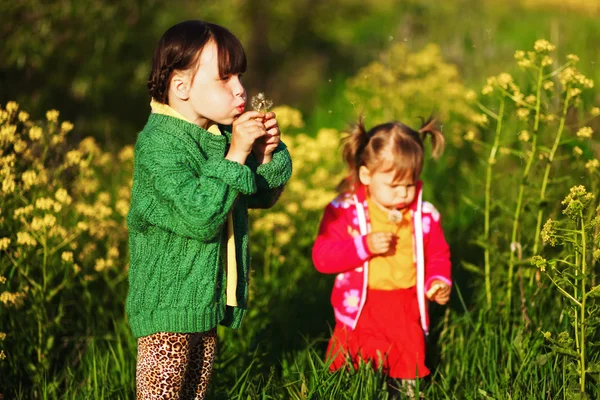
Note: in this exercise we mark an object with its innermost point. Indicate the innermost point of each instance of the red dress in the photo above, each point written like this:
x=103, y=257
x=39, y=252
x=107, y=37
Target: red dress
x=388, y=331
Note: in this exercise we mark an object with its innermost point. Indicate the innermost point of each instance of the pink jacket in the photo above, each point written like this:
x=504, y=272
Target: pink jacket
x=341, y=248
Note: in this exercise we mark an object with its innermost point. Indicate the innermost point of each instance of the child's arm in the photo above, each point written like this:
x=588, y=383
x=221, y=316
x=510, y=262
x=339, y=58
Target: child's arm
x=335, y=250
x=270, y=177
x=437, y=256
x=178, y=198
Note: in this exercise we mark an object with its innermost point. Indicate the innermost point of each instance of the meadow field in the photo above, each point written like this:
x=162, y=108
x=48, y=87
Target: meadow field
x=515, y=87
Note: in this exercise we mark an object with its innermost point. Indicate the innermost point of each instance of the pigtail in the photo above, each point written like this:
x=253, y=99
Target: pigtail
x=353, y=146
x=431, y=129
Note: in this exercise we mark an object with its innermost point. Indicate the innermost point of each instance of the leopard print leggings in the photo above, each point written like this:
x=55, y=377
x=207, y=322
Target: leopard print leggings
x=175, y=366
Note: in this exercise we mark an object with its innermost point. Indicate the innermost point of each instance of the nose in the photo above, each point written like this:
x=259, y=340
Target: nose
x=238, y=89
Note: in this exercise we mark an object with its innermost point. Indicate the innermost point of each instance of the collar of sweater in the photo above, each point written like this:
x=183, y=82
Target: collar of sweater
x=165, y=109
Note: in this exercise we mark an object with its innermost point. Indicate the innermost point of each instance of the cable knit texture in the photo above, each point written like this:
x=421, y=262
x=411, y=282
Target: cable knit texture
x=183, y=189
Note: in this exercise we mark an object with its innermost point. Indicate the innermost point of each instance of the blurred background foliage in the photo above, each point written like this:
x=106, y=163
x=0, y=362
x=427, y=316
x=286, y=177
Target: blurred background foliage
x=63, y=264
x=90, y=59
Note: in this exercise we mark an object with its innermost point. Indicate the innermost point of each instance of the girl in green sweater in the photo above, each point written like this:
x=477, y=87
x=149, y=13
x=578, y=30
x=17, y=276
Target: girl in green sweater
x=200, y=163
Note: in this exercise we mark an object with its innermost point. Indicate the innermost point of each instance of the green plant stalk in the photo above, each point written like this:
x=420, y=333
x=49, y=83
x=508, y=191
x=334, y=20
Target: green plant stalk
x=583, y=298
x=488, y=197
x=538, y=226
x=515, y=228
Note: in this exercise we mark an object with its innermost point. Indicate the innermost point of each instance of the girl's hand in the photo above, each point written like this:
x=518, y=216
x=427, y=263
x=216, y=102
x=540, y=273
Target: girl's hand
x=379, y=242
x=439, y=292
x=247, y=128
x=265, y=146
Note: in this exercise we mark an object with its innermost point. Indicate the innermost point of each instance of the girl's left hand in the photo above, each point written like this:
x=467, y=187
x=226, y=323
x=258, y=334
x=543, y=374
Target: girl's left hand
x=264, y=147
x=439, y=292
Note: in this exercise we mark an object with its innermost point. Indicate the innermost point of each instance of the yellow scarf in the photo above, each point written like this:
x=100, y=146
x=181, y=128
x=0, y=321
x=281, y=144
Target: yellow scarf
x=231, y=269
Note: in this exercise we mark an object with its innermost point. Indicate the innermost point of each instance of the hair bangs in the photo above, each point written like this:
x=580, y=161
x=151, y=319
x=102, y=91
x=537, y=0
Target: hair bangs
x=232, y=57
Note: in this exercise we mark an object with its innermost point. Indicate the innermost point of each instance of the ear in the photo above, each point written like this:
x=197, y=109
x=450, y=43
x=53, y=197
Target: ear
x=180, y=85
x=364, y=175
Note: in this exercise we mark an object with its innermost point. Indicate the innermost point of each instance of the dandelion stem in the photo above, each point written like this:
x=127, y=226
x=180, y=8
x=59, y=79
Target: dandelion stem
x=547, y=173
x=488, y=197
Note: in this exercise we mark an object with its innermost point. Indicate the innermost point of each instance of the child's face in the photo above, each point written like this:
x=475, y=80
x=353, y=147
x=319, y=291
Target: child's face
x=387, y=189
x=212, y=98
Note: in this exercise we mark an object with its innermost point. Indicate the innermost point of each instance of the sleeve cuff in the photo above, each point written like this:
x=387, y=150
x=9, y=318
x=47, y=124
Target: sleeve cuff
x=236, y=175
x=360, y=242
x=277, y=172
x=437, y=278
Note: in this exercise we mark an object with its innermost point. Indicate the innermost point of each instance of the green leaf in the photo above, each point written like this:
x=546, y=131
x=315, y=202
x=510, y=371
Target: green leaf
x=472, y=268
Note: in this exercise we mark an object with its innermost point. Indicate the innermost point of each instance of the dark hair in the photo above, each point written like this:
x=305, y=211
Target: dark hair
x=403, y=144
x=180, y=47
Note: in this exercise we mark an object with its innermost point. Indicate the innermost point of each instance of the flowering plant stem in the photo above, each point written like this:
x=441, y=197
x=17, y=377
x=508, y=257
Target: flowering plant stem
x=547, y=171
x=488, y=197
x=517, y=215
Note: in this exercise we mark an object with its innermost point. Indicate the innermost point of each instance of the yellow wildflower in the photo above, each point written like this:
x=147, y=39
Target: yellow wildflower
x=122, y=207
x=547, y=60
x=26, y=239
x=543, y=45
x=23, y=211
x=20, y=146
x=504, y=79
x=523, y=114
x=44, y=203
x=2, y=336
x=524, y=136
x=113, y=252
x=2, y=355
x=549, y=232
x=52, y=116
x=519, y=55
x=573, y=58
x=100, y=265
x=592, y=165
x=2, y=280
x=12, y=106
x=487, y=89
x=480, y=119
x=548, y=85
x=470, y=136
x=3, y=116
x=288, y=117
x=8, y=184
x=67, y=256
x=4, y=243
x=595, y=111
x=470, y=95
x=525, y=63
x=567, y=75
x=66, y=127
x=73, y=157
x=23, y=116
x=126, y=154
x=574, y=92
x=62, y=196
x=49, y=220
x=530, y=99
x=35, y=133
x=585, y=132
x=37, y=224
x=7, y=134
x=577, y=151
x=12, y=299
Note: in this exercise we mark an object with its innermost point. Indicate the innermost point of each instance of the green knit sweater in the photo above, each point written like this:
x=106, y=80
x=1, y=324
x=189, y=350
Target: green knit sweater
x=183, y=189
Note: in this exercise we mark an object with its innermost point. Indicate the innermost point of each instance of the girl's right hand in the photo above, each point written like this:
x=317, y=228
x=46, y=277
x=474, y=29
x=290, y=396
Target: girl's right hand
x=246, y=129
x=379, y=242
